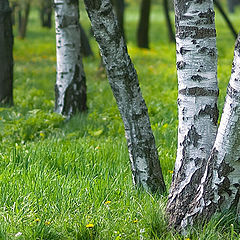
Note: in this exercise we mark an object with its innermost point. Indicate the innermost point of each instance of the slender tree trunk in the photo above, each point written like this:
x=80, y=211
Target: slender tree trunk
x=143, y=25
x=220, y=187
x=70, y=88
x=227, y=20
x=197, y=101
x=46, y=13
x=171, y=34
x=85, y=45
x=146, y=170
x=6, y=57
x=23, y=20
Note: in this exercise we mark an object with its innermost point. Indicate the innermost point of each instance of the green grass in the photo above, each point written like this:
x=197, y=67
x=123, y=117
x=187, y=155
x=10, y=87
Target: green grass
x=56, y=176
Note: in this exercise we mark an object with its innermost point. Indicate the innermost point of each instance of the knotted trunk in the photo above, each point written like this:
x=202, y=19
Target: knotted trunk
x=197, y=101
x=70, y=88
x=146, y=170
x=6, y=57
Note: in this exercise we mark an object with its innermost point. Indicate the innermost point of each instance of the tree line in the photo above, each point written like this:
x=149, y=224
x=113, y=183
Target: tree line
x=205, y=179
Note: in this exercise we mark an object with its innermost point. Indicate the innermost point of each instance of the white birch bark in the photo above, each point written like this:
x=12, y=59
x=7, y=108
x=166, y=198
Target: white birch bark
x=70, y=88
x=197, y=101
x=220, y=186
x=146, y=170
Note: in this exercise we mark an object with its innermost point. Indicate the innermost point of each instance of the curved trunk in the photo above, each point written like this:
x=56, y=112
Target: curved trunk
x=146, y=170
x=70, y=88
x=143, y=25
x=197, y=101
x=220, y=186
x=6, y=55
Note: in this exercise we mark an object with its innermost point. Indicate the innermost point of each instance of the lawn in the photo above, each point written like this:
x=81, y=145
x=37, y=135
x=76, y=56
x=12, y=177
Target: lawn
x=71, y=179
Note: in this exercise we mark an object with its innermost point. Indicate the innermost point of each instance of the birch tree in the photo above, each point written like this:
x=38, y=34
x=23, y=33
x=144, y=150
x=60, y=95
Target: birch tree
x=6, y=54
x=220, y=186
x=206, y=178
x=70, y=88
x=197, y=101
x=122, y=76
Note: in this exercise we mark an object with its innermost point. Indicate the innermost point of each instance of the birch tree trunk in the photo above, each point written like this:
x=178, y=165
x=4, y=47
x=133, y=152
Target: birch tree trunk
x=197, y=101
x=70, y=88
x=146, y=170
x=6, y=54
x=220, y=186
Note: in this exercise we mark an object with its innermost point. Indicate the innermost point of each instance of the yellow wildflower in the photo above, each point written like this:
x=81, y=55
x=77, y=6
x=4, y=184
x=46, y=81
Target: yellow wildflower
x=165, y=126
x=37, y=220
x=170, y=171
x=47, y=223
x=90, y=225
x=107, y=202
x=42, y=134
x=187, y=239
x=135, y=220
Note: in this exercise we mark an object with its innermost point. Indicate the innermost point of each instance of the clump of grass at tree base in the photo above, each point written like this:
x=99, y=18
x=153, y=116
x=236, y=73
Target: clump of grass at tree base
x=58, y=178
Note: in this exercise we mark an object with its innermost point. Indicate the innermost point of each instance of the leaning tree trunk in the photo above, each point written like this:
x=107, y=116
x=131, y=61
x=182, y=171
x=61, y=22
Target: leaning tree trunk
x=143, y=25
x=197, y=101
x=227, y=20
x=171, y=34
x=70, y=88
x=220, y=187
x=23, y=16
x=6, y=54
x=146, y=170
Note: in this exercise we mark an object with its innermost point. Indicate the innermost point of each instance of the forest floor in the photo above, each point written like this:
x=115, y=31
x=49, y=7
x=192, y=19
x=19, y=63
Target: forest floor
x=71, y=179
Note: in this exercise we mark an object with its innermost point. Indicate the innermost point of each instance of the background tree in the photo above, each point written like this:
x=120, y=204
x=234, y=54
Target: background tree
x=143, y=24
x=85, y=45
x=146, y=170
x=23, y=15
x=46, y=13
x=197, y=101
x=70, y=88
x=171, y=34
x=6, y=57
x=119, y=6
x=227, y=20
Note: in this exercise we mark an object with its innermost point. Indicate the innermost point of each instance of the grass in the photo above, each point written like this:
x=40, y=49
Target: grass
x=72, y=180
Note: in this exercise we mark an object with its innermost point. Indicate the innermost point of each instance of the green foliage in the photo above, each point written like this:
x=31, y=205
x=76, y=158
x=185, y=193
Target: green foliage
x=72, y=180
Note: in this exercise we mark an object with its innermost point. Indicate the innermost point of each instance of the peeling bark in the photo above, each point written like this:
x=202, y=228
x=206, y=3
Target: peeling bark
x=6, y=54
x=146, y=170
x=70, y=88
x=197, y=101
x=220, y=186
